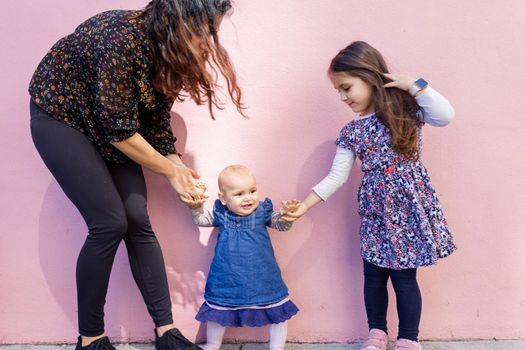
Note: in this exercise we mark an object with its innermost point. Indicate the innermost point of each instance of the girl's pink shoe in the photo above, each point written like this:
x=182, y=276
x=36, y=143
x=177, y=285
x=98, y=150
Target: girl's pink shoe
x=405, y=344
x=377, y=340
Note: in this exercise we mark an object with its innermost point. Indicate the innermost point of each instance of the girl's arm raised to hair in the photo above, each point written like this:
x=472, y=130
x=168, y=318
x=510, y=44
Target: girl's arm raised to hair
x=181, y=178
x=342, y=165
x=437, y=111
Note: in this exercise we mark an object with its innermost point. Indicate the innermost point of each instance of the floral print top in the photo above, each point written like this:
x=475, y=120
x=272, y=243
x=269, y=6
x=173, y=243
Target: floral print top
x=98, y=80
x=402, y=224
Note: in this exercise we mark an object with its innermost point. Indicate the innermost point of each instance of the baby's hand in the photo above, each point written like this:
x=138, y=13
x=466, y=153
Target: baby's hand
x=201, y=189
x=292, y=210
x=201, y=195
x=289, y=207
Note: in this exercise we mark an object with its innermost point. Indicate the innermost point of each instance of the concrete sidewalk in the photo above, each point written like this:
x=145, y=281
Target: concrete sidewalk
x=426, y=345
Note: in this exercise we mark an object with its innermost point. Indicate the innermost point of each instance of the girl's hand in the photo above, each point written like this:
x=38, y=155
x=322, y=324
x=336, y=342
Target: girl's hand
x=289, y=206
x=399, y=81
x=191, y=191
x=292, y=210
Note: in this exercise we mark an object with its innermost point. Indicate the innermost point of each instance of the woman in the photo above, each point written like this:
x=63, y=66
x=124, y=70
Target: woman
x=100, y=110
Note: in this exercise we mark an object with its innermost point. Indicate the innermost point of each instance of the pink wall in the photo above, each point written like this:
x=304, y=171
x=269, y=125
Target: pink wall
x=471, y=51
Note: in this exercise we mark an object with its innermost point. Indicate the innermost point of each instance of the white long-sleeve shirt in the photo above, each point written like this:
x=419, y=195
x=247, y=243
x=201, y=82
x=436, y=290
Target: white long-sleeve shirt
x=437, y=111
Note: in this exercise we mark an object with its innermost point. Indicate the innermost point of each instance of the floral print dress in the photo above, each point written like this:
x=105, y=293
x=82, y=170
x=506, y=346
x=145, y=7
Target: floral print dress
x=402, y=223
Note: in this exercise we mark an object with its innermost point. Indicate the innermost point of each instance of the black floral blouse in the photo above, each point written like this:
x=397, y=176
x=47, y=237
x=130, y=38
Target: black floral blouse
x=98, y=80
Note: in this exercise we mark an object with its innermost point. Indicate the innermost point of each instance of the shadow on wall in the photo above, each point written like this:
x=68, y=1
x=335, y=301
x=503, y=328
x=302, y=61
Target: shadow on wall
x=332, y=250
x=62, y=232
x=187, y=260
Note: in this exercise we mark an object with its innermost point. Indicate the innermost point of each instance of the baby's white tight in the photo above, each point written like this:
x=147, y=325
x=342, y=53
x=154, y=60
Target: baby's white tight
x=278, y=333
x=215, y=333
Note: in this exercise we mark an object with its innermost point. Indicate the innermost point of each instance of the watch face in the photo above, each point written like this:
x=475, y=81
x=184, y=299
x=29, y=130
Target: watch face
x=421, y=83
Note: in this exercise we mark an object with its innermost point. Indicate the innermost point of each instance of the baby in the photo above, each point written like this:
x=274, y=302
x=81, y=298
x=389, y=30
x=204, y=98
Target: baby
x=244, y=285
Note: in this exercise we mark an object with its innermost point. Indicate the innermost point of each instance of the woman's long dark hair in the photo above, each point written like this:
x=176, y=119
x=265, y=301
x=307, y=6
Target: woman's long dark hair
x=394, y=107
x=186, y=52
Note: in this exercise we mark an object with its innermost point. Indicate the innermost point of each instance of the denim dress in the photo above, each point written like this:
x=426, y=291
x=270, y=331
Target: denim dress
x=244, y=285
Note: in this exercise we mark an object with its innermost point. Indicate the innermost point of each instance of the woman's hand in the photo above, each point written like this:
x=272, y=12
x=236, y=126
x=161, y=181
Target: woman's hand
x=191, y=191
x=399, y=81
x=184, y=181
x=181, y=178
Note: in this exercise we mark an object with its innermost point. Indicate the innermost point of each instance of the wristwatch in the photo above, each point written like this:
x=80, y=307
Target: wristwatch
x=417, y=86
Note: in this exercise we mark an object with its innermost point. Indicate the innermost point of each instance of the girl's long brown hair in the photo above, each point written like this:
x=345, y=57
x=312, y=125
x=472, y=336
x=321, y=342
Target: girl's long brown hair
x=395, y=108
x=186, y=52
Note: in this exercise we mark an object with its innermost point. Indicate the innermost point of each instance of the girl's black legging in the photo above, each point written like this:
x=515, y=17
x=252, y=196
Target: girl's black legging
x=408, y=299
x=112, y=201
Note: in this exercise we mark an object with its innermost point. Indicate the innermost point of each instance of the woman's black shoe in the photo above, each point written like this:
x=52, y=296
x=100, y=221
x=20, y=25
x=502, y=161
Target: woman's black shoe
x=174, y=340
x=99, y=344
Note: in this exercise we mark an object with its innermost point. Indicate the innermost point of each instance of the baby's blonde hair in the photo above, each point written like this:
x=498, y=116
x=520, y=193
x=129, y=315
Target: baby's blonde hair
x=235, y=169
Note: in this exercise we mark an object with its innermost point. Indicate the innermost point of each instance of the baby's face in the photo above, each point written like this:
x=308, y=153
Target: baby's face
x=239, y=193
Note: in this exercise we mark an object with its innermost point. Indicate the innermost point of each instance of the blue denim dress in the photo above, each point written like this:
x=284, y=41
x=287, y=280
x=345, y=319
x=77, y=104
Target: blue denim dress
x=244, y=271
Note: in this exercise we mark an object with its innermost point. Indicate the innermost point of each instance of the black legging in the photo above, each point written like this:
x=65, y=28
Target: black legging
x=408, y=299
x=112, y=201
